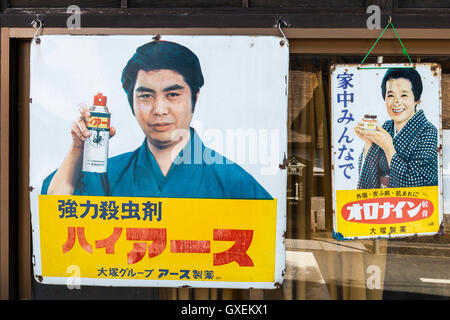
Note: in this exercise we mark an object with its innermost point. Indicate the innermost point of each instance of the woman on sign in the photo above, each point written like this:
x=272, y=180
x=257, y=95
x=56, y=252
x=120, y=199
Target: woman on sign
x=402, y=152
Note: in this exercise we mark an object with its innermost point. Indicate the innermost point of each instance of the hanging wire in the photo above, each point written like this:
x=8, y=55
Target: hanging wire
x=36, y=23
x=282, y=42
x=405, y=53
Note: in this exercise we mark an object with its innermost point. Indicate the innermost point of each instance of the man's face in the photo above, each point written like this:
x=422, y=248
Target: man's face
x=400, y=103
x=163, y=106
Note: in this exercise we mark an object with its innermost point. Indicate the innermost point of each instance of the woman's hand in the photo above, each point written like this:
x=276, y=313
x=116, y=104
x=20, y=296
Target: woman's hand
x=383, y=139
x=359, y=131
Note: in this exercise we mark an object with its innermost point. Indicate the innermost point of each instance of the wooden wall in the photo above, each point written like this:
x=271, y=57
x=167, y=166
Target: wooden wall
x=226, y=13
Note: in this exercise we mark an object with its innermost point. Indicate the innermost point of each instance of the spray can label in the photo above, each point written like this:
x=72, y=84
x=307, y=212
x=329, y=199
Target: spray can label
x=95, y=156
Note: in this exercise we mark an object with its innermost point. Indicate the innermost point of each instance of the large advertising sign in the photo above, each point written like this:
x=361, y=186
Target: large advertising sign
x=386, y=134
x=156, y=161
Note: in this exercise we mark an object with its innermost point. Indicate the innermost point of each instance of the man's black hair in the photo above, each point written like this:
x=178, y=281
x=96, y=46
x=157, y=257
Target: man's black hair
x=157, y=55
x=407, y=73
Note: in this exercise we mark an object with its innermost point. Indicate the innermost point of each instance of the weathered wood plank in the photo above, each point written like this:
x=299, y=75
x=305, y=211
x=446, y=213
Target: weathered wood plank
x=306, y=4
x=218, y=18
x=189, y=3
x=5, y=270
x=423, y=4
x=184, y=4
x=24, y=249
x=63, y=3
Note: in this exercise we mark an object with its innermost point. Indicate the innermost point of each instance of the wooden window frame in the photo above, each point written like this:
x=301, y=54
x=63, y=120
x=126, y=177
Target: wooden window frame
x=323, y=41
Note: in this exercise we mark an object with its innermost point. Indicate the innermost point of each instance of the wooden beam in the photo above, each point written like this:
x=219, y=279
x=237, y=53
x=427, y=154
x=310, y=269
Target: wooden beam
x=362, y=46
x=3, y=5
x=303, y=41
x=256, y=294
x=4, y=166
x=291, y=33
x=24, y=214
x=223, y=18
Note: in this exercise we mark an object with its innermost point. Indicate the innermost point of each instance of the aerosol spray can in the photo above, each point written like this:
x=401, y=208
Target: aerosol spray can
x=95, y=156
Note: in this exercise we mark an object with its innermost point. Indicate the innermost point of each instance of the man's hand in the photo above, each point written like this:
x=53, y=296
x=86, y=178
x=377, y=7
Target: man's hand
x=65, y=178
x=79, y=130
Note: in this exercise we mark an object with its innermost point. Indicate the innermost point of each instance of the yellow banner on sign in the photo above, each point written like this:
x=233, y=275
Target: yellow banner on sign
x=387, y=212
x=158, y=238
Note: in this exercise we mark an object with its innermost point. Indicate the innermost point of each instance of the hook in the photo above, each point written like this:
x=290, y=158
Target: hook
x=282, y=42
x=34, y=23
x=390, y=19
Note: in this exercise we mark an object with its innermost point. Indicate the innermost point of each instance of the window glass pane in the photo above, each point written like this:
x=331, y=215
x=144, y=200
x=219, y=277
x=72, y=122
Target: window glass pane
x=318, y=266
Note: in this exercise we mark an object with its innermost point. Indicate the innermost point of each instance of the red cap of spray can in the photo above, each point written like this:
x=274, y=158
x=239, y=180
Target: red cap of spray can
x=100, y=100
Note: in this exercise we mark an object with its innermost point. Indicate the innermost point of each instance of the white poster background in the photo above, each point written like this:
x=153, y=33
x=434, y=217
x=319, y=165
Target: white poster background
x=245, y=91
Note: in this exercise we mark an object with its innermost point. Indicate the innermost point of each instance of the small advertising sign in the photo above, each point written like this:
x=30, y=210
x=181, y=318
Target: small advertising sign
x=386, y=124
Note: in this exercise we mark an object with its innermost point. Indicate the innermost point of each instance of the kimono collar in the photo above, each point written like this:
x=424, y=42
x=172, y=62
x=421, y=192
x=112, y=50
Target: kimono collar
x=189, y=154
x=410, y=129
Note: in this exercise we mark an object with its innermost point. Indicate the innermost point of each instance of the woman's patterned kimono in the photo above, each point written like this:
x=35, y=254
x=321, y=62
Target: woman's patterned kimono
x=415, y=162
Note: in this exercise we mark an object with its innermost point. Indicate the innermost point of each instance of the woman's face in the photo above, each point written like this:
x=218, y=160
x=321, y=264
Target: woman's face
x=400, y=103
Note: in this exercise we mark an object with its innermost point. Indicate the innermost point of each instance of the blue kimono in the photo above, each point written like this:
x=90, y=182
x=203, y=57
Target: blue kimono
x=197, y=172
x=415, y=162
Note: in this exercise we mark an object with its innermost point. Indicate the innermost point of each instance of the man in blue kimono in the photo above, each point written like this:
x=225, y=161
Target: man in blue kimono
x=162, y=82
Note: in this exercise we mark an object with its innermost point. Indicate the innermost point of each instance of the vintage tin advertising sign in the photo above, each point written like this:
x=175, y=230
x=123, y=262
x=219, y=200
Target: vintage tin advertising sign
x=386, y=134
x=156, y=161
